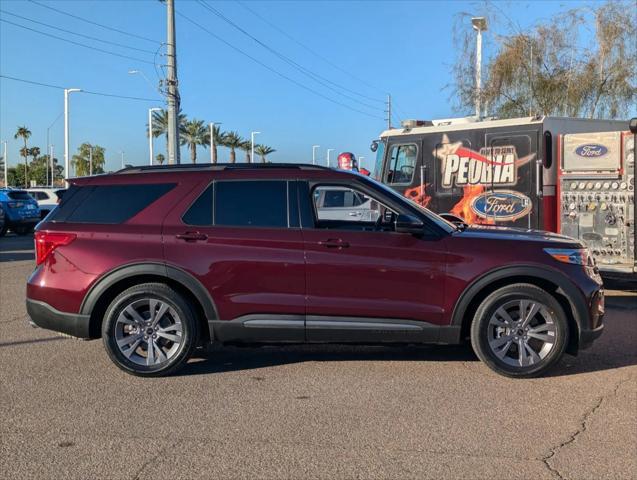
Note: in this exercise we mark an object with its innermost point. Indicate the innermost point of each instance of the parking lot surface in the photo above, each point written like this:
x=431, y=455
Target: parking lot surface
x=309, y=411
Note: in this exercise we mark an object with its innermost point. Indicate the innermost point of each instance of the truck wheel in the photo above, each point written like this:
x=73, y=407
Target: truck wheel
x=149, y=330
x=519, y=331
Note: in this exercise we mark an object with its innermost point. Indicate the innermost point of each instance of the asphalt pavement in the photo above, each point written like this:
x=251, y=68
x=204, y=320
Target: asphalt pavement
x=309, y=411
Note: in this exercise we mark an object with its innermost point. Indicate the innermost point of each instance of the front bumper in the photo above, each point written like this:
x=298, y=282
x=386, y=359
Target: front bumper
x=587, y=337
x=45, y=316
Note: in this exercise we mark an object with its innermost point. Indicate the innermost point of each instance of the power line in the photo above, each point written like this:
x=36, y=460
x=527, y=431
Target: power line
x=299, y=84
x=76, y=43
x=113, y=29
x=313, y=52
x=314, y=76
x=78, y=34
x=89, y=92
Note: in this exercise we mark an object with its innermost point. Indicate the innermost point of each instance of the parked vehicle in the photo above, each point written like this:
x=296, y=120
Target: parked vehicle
x=47, y=198
x=507, y=172
x=21, y=211
x=188, y=255
x=2, y=216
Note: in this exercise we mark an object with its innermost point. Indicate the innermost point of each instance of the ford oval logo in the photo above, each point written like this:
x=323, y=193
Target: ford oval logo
x=506, y=205
x=591, y=150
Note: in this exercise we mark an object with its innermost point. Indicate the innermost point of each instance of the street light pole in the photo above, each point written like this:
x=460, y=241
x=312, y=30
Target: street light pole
x=4, y=157
x=52, y=164
x=47, y=143
x=150, y=132
x=329, y=150
x=314, y=147
x=480, y=25
x=213, y=153
x=122, y=153
x=90, y=161
x=252, y=134
x=66, y=133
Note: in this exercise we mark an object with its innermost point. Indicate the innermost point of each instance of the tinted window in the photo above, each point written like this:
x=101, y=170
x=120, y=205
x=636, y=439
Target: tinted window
x=200, y=212
x=251, y=204
x=108, y=204
x=19, y=195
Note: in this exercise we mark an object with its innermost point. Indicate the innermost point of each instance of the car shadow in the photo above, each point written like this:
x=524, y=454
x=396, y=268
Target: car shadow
x=230, y=359
x=13, y=256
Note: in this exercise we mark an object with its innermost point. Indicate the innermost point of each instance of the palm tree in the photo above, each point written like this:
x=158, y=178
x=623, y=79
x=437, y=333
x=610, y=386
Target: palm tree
x=160, y=159
x=263, y=151
x=82, y=160
x=160, y=124
x=34, y=152
x=218, y=137
x=24, y=133
x=232, y=140
x=246, y=146
x=193, y=134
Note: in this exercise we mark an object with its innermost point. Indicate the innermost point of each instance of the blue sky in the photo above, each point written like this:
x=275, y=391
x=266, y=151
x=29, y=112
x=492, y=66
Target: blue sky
x=400, y=47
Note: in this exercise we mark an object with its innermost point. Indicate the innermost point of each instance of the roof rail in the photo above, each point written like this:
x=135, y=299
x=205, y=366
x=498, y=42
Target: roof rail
x=218, y=166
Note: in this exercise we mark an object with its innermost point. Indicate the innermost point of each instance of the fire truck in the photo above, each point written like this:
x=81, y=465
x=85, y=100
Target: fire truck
x=520, y=173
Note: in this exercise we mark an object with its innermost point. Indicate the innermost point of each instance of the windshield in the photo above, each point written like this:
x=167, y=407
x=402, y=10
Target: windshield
x=378, y=165
x=441, y=222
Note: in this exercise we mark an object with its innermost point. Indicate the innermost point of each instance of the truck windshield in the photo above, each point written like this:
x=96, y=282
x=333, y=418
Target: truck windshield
x=378, y=166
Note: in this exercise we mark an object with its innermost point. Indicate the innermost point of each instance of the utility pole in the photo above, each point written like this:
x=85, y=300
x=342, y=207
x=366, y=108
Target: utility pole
x=480, y=25
x=66, y=133
x=314, y=147
x=4, y=157
x=172, y=83
x=150, y=132
x=329, y=150
x=388, y=111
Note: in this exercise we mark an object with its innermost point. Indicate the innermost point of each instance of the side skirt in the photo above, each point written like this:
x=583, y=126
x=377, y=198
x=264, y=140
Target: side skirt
x=268, y=328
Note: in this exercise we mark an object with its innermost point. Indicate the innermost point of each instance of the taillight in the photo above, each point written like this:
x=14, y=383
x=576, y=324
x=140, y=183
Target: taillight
x=46, y=242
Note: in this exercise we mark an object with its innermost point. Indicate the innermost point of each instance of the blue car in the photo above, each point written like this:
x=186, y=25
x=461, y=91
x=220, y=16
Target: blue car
x=21, y=211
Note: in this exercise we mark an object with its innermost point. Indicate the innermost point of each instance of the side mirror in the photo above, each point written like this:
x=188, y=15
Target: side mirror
x=374, y=146
x=409, y=224
x=632, y=125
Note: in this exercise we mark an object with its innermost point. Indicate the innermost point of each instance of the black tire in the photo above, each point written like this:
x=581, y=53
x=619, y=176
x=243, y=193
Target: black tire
x=3, y=230
x=141, y=293
x=483, y=330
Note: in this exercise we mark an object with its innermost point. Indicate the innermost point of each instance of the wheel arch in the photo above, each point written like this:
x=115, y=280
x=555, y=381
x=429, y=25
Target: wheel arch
x=554, y=282
x=116, y=281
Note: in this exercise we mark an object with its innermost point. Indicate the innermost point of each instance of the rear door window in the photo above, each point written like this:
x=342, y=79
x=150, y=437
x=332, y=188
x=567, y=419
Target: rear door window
x=107, y=204
x=251, y=203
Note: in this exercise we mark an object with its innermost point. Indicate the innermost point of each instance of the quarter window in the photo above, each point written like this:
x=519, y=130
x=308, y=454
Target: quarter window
x=200, y=212
x=402, y=164
x=251, y=204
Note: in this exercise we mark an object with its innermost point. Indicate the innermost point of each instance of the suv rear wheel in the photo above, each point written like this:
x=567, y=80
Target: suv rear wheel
x=149, y=330
x=519, y=330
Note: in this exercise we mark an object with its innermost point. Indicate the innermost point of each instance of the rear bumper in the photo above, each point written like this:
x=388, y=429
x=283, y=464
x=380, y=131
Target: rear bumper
x=45, y=316
x=21, y=222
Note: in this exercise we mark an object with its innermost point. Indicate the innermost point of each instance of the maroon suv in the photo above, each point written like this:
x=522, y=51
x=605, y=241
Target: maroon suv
x=159, y=260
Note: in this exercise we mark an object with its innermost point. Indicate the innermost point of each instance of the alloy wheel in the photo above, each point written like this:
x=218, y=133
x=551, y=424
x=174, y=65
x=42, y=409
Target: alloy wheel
x=148, y=332
x=521, y=333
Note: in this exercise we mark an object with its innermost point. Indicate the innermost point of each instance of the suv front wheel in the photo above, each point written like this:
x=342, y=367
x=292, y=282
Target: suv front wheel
x=519, y=330
x=149, y=330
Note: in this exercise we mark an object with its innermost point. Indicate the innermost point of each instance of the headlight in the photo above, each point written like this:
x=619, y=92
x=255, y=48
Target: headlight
x=575, y=256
